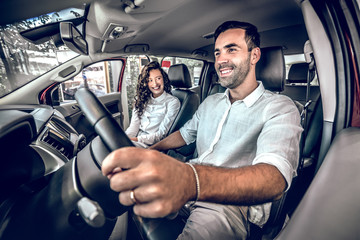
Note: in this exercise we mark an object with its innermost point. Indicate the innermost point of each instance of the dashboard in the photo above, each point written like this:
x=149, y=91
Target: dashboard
x=47, y=182
x=54, y=140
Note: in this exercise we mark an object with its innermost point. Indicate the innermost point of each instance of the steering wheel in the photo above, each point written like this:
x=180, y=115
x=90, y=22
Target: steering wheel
x=111, y=138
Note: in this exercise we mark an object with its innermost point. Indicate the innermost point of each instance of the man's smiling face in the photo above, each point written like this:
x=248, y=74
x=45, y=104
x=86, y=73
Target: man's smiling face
x=232, y=58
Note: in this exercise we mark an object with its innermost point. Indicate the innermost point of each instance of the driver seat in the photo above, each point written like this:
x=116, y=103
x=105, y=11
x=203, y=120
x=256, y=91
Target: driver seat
x=271, y=71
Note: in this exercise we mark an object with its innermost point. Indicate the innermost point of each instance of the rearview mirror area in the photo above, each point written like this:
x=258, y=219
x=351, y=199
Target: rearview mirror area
x=72, y=38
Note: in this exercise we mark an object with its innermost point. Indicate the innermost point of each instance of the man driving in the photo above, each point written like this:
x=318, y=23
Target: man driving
x=247, y=140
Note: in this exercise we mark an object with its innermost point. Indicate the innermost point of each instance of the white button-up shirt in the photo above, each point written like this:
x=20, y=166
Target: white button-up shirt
x=156, y=120
x=262, y=128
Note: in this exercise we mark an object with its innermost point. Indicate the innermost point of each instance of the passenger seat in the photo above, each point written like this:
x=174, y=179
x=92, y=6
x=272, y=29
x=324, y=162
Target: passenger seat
x=180, y=79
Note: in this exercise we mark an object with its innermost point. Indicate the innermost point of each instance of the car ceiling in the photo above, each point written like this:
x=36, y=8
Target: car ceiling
x=178, y=27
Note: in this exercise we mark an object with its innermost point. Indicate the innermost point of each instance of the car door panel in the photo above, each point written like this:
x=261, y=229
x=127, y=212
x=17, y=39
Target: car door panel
x=327, y=211
x=75, y=117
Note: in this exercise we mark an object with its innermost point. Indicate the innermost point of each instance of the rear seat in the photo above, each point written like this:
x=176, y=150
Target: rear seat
x=295, y=88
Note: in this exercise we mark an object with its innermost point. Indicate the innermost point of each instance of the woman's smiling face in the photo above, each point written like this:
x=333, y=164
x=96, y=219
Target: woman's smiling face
x=156, y=83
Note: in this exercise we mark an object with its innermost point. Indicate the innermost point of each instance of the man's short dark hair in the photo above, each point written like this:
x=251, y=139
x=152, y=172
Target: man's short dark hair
x=252, y=37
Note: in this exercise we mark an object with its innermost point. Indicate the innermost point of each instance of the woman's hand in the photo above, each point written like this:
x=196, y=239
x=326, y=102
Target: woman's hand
x=135, y=139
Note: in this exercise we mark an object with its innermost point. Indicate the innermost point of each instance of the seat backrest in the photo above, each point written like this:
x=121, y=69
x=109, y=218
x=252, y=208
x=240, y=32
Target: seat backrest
x=298, y=73
x=270, y=69
x=181, y=81
x=295, y=87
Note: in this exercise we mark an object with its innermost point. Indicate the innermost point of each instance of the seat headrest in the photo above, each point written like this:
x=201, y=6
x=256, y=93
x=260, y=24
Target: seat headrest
x=271, y=69
x=298, y=73
x=179, y=76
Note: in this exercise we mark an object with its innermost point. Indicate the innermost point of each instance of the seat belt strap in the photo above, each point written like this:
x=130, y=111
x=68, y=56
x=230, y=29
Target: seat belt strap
x=309, y=57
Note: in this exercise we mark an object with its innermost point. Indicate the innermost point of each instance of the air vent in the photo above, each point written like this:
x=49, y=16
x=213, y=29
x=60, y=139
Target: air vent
x=56, y=141
x=54, y=125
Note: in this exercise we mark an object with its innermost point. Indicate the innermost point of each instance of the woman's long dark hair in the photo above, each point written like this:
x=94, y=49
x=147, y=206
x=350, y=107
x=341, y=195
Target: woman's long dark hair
x=143, y=92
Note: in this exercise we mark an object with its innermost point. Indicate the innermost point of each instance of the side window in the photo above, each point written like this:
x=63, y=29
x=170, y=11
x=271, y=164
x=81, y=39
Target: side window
x=133, y=67
x=101, y=78
x=194, y=66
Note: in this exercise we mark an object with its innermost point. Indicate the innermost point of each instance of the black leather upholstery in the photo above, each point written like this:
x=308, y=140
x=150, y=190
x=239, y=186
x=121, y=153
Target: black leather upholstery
x=313, y=134
x=179, y=76
x=270, y=69
x=296, y=90
x=209, y=78
x=216, y=88
x=298, y=93
x=298, y=73
x=295, y=86
x=181, y=81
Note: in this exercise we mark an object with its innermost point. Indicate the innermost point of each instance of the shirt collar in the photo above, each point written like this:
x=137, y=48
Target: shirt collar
x=159, y=98
x=252, y=97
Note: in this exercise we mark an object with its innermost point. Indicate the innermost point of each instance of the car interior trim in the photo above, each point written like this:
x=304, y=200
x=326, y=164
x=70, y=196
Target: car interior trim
x=324, y=59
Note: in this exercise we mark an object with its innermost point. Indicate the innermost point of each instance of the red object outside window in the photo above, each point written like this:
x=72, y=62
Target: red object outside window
x=166, y=64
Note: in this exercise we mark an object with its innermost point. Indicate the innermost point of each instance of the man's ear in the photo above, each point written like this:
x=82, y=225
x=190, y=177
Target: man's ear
x=255, y=55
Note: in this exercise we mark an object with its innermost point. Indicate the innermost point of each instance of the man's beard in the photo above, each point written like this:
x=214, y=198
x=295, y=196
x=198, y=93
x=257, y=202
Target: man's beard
x=238, y=75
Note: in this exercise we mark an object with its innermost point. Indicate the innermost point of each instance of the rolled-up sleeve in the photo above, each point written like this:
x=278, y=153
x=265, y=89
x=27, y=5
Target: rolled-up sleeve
x=278, y=142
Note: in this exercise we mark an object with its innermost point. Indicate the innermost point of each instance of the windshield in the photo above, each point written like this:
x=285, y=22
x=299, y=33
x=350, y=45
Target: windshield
x=22, y=60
